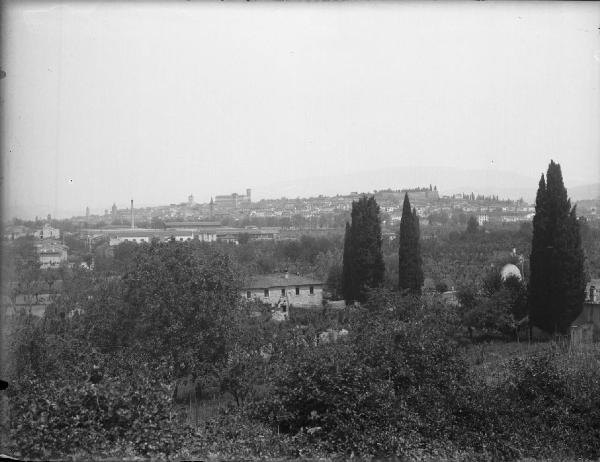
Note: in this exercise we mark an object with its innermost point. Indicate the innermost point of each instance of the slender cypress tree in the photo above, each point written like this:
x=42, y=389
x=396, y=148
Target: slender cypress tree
x=556, y=288
x=419, y=278
x=363, y=266
x=538, y=261
x=410, y=272
x=346, y=265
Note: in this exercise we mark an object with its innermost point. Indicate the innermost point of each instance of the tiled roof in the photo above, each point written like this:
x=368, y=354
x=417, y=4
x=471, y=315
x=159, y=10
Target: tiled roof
x=177, y=224
x=50, y=246
x=36, y=286
x=279, y=280
x=131, y=233
x=595, y=283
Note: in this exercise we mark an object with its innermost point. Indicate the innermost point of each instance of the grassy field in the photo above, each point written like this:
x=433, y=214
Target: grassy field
x=490, y=360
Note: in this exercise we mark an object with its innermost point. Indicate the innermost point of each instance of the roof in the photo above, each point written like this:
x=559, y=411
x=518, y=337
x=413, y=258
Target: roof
x=130, y=233
x=16, y=228
x=50, y=246
x=595, y=283
x=279, y=280
x=36, y=286
x=198, y=224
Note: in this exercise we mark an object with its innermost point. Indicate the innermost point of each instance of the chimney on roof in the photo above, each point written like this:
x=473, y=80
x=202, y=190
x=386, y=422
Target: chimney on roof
x=132, y=223
x=286, y=274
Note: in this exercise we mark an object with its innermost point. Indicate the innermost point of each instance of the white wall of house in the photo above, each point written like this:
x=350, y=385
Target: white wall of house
x=181, y=237
x=206, y=237
x=52, y=259
x=203, y=237
x=298, y=296
x=116, y=240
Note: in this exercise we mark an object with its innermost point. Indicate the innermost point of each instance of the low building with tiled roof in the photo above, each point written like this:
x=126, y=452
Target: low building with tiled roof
x=51, y=254
x=192, y=224
x=289, y=290
x=139, y=235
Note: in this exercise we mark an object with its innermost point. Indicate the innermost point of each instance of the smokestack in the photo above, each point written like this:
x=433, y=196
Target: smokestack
x=132, y=223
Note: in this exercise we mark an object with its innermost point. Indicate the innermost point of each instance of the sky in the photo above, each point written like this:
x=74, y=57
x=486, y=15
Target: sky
x=108, y=101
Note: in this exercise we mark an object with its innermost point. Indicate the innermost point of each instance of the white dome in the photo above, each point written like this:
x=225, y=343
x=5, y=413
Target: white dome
x=510, y=270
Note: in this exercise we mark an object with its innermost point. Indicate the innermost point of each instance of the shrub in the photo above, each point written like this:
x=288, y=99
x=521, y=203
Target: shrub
x=85, y=402
x=383, y=389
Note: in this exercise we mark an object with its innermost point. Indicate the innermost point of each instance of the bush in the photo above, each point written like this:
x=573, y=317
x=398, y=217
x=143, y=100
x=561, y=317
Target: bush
x=544, y=407
x=378, y=392
x=96, y=406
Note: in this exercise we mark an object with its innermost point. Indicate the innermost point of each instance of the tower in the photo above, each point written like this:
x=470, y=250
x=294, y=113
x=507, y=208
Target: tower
x=249, y=195
x=211, y=208
x=132, y=222
x=87, y=212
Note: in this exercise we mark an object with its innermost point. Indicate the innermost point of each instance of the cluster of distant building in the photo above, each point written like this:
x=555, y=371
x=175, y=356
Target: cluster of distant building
x=50, y=250
x=426, y=200
x=218, y=207
x=184, y=231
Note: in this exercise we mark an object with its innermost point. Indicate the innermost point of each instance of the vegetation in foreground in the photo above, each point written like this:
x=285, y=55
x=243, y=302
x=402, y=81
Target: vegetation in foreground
x=404, y=381
x=104, y=373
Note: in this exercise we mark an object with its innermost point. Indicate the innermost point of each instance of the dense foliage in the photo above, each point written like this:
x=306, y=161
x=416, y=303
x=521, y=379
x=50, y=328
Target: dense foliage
x=497, y=309
x=557, y=281
x=358, y=394
x=182, y=302
x=84, y=403
x=410, y=268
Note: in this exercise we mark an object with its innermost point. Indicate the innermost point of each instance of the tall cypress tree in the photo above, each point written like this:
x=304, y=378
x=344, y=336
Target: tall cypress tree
x=363, y=266
x=419, y=278
x=410, y=271
x=346, y=265
x=538, y=261
x=556, y=288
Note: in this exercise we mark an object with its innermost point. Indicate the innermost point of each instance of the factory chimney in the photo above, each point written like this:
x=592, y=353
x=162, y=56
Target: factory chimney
x=132, y=223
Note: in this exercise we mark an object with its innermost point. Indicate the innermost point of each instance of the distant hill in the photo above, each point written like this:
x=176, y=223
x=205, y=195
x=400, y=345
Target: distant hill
x=588, y=191
x=448, y=180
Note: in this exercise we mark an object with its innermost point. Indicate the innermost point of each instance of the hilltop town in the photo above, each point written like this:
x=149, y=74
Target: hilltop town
x=318, y=211
x=236, y=217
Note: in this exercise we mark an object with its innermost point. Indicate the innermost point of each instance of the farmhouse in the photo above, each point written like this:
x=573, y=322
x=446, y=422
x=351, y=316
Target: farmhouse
x=51, y=254
x=284, y=289
x=138, y=236
x=591, y=307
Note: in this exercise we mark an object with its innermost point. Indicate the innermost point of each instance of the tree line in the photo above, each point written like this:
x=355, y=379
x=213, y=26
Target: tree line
x=556, y=289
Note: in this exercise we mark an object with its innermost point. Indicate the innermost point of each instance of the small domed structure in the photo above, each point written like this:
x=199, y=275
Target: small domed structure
x=510, y=270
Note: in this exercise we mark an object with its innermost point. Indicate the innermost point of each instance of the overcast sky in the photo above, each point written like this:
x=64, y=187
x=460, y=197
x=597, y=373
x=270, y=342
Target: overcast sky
x=108, y=101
